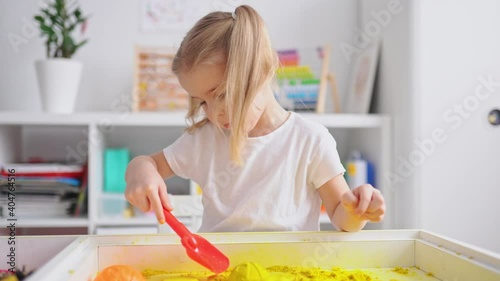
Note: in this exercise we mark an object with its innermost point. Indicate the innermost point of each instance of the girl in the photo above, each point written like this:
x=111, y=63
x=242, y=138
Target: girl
x=261, y=168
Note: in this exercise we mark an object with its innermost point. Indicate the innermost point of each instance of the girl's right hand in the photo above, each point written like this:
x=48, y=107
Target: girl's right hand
x=146, y=189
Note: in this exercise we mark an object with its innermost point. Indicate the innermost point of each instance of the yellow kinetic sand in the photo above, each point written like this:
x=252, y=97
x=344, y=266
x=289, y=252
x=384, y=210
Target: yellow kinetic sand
x=251, y=271
x=248, y=271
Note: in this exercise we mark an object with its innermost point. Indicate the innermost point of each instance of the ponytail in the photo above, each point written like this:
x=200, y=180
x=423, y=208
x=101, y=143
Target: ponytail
x=242, y=39
x=251, y=63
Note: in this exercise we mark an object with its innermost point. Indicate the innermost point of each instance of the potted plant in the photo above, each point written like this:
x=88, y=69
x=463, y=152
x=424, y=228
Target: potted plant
x=59, y=75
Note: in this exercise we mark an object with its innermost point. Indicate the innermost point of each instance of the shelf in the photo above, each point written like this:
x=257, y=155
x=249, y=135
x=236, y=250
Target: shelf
x=48, y=222
x=174, y=118
x=143, y=221
x=90, y=133
x=34, y=118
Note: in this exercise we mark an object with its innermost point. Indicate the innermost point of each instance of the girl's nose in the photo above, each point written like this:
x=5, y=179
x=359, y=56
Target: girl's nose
x=223, y=117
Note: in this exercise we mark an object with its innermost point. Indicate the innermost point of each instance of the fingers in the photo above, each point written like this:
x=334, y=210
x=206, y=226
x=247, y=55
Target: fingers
x=364, y=193
x=144, y=204
x=376, y=216
x=136, y=198
x=371, y=204
x=163, y=202
x=349, y=200
x=164, y=198
x=156, y=204
x=150, y=198
x=377, y=201
x=376, y=210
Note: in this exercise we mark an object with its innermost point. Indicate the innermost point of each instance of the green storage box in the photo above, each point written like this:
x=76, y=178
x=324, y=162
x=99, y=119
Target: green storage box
x=115, y=165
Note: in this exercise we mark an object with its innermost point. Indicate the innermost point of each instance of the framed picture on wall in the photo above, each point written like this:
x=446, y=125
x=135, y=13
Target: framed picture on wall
x=168, y=15
x=362, y=78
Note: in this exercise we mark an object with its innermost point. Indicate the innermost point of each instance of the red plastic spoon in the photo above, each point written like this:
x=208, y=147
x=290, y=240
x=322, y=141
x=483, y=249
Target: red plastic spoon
x=197, y=247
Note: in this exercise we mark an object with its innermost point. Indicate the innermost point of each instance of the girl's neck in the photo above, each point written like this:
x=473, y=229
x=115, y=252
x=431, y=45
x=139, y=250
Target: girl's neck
x=272, y=117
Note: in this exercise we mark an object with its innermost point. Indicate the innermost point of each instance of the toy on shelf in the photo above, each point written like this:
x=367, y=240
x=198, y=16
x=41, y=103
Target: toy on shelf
x=359, y=170
x=156, y=87
x=115, y=165
x=302, y=87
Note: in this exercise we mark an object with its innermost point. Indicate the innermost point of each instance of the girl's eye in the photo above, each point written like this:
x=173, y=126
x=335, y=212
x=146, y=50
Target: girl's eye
x=221, y=96
x=203, y=103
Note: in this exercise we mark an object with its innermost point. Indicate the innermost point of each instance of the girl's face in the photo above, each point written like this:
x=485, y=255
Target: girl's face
x=201, y=82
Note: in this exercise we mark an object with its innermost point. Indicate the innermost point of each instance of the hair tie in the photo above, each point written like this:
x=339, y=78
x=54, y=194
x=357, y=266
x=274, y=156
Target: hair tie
x=233, y=14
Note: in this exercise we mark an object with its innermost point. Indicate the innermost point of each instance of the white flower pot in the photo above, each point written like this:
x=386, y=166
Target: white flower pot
x=58, y=82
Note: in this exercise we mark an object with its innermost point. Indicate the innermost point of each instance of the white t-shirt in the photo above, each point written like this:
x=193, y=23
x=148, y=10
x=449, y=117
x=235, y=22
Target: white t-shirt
x=275, y=189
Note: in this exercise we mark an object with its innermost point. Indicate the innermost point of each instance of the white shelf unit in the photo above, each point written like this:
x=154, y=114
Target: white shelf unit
x=87, y=134
x=49, y=223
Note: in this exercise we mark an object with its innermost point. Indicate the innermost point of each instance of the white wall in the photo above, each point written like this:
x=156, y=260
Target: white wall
x=114, y=29
x=457, y=42
x=395, y=95
x=433, y=53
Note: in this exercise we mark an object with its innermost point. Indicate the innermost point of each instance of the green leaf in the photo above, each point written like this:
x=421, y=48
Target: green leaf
x=47, y=30
x=47, y=12
x=77, y=13
x=83, y=19
x=72, y=26
x=78, y=46
x=39, y=18
x=81, y=44
x=78, y=22
x=59, y=7
x=55, y=20
x=59, y=4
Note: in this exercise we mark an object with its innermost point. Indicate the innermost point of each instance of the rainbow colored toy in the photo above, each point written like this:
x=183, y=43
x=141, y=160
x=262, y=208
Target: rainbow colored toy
x=298, y=85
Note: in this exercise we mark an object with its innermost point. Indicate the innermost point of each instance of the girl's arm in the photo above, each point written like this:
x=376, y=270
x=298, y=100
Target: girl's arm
x=146, y=188
x=162, y=165
x=349, y=210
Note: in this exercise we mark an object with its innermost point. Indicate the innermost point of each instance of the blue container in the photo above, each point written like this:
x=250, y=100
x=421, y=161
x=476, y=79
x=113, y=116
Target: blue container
x=115, y=164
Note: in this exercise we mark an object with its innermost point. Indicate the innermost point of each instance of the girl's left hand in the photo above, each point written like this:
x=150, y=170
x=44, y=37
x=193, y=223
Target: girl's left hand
x=365, y=202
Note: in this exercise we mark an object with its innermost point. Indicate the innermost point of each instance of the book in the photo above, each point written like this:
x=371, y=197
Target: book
x=43, y=167
x=43, y=170
x=41, y=181
x=80, y=206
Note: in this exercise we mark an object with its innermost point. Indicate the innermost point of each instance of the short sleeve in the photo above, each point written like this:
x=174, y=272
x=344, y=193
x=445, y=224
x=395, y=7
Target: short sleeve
x=325, y=163
x=180, y=154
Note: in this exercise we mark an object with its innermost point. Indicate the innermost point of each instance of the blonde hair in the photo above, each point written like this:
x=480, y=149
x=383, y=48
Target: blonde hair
x=242, y=44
